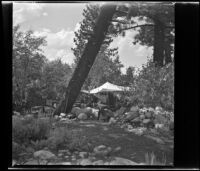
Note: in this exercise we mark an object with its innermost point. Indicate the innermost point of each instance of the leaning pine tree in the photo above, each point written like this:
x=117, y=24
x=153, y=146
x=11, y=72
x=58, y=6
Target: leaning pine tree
x=87, y=59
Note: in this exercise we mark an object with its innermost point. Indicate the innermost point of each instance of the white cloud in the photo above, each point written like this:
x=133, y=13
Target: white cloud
x=44, y=14
x=59, y=44
x=26, y=11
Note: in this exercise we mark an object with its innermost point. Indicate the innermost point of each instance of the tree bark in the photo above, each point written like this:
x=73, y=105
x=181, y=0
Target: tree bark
x=87, y=59
x=158, y=56
x=168, y=58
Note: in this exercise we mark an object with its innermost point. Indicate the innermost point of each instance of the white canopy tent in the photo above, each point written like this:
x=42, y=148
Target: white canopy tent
x=108, y=87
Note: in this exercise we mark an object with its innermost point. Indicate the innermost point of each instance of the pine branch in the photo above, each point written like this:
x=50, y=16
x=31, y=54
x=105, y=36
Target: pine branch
x=143, y=25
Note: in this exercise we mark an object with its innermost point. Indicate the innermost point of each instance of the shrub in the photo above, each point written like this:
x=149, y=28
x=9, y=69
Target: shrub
x=62, y=137
x=20, y=152
x=154, y=86
x=58, y=138
x=29, y=129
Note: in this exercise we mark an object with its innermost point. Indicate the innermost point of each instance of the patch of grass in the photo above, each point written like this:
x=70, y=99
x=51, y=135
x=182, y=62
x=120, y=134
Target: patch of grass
x=151, y=159
x=29, y=129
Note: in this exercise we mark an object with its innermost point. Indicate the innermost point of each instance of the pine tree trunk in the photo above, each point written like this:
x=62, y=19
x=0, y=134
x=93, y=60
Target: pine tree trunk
x=168, y=58
x=87, y=59
x=158, y=56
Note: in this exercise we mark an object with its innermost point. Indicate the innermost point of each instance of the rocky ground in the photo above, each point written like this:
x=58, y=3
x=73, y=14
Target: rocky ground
x=124, y=140
x=113, y=146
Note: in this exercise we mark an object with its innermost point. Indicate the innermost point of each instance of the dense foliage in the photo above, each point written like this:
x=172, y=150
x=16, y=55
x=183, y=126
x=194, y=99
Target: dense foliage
x=154, y=86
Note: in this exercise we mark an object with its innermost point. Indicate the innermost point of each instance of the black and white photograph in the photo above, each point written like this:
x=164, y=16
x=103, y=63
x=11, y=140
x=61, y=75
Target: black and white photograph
x=93, y=83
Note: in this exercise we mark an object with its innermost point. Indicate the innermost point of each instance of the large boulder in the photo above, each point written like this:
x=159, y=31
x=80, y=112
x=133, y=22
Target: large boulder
x=76, y=110
x=87, y=110
x=122, y=161
x=44, y=155
x=82, y=116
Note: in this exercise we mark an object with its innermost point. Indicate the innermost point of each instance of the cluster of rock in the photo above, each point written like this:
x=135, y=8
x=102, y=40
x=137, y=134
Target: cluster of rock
x=101, y=155
x=145, y=118
x=80, y=114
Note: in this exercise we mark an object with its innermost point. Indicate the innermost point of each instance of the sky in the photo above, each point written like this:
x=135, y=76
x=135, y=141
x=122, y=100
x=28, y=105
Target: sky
x=59, y=21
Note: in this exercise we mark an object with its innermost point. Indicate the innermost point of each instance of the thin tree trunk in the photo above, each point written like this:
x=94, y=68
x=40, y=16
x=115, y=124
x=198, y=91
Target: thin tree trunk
x=158, y=56
x=87, y=59
x=168, y=58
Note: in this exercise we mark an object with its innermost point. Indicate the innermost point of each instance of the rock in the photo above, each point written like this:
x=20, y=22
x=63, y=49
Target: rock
x=122, y=161
x=83, y=154
x=112, y=121
x=136, y=119
x=102, y=150
x=134, y=109
x=159, y=126
x=117, y=149
x=146, y=121
x=142, y=116
x=85, y=162
x=56, y=117
x=159, y=119
x=76, y=110
x=151, y=110
x=66, y=157
x=16, y=113
x=95, y=112
x=65, y=163
x=139, y=131
x=148, y=115
x=60, y=155
x=158, y=108
x=131, y=116
x=62, y=114
x=82, y=116
x=87, y=110
x=14, y=162
x=98, y=162
x=120, y=111
x=71, y=116
x=44, y=155
x=32, y=162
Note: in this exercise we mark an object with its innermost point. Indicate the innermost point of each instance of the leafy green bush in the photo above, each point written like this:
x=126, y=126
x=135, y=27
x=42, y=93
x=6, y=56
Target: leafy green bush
x=154, y=86
x=29, y=129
